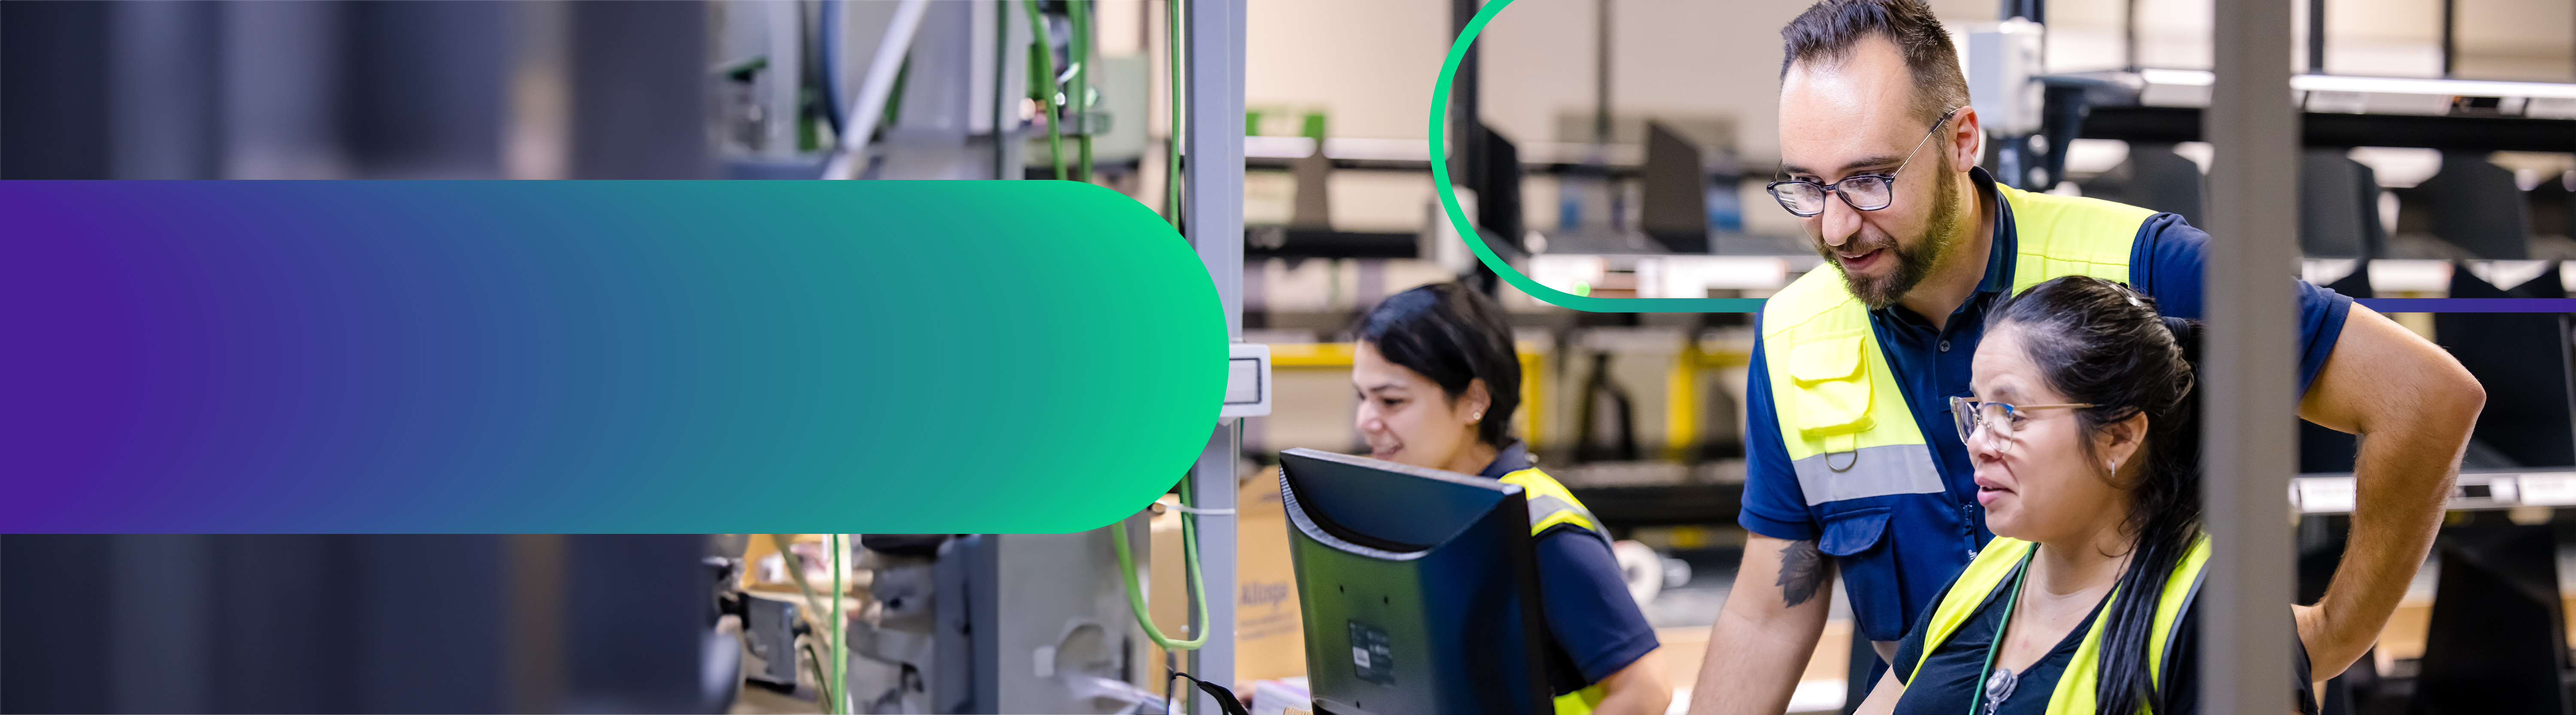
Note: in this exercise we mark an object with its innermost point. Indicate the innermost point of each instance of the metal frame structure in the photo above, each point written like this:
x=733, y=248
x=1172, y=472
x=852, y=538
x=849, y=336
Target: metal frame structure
x=2249, y=365
x=1212, y=219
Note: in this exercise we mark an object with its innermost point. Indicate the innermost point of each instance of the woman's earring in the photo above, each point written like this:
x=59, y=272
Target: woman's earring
x=1475, y=418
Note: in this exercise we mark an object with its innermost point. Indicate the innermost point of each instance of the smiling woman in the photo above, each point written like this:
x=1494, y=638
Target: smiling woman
x=1437, y=382
x=1431, y=364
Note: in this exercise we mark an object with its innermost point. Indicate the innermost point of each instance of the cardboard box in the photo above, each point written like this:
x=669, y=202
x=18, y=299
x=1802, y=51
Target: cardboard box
x=1167, y=592
x=1269, y=626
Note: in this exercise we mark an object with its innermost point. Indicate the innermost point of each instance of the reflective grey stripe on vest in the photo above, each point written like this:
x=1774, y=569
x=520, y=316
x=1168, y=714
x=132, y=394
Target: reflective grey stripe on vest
x=1868, y=472
x=1540, y=508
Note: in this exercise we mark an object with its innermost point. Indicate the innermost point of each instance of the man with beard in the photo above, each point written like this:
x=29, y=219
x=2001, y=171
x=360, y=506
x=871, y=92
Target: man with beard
x=1853, y=465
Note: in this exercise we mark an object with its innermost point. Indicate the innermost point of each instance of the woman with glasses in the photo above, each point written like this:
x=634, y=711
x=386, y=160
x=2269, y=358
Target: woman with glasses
x=2086, y=445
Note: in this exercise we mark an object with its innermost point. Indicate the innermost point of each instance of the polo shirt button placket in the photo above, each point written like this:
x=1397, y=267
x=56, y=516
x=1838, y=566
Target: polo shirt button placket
x=1968, y=528
x=1945, y=346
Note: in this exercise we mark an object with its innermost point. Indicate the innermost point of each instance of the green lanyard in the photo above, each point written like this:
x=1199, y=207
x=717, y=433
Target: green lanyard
x=1995, y=649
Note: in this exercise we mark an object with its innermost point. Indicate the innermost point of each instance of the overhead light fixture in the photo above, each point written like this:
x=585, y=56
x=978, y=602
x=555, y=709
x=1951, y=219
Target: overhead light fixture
x=2382, y=85
x=1278, y=147
x=1377, y=149
x=2448, y=87
x=2192, y=78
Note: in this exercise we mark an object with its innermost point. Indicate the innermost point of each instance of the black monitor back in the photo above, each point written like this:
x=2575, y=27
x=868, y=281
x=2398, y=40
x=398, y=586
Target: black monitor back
x=1673, y=194
x=2339, y=207
x=1419, y=588
x=2522, y=360
x=2476, y=206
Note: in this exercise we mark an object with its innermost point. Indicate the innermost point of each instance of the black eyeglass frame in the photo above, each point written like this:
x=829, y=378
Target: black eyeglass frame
x=1835, y=189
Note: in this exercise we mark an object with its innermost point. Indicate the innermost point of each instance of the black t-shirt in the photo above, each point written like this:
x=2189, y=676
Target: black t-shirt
x=1948, y=681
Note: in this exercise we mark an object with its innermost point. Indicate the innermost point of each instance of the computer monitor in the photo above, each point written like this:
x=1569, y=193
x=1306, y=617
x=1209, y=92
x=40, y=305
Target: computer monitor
x=1419, y=588
x=2530, y=414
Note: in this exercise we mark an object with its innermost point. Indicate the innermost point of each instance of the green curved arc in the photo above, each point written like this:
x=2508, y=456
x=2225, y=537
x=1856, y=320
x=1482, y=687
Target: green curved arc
x=1458, y=217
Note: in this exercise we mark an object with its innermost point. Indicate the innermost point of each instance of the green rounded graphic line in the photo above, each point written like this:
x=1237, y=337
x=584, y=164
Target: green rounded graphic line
x=1458, y=217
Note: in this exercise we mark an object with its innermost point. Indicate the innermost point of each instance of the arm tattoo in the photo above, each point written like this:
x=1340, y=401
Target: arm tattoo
x=1802, y=572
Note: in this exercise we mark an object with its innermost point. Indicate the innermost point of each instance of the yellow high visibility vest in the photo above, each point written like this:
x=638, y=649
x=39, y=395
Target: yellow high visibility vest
x=2074, y=692
x=1849, y=430
x=1552, y=507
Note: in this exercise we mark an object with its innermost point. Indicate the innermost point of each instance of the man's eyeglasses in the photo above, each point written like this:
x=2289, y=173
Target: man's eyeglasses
x=1867, y=192
x=1999, y=420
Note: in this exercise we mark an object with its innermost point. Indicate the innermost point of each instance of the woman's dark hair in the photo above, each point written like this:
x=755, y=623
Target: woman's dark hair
x=1451, y=334
x=2100, y=342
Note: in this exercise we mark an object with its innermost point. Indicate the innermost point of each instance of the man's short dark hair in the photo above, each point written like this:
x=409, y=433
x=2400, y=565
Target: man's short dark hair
x=1830, y=30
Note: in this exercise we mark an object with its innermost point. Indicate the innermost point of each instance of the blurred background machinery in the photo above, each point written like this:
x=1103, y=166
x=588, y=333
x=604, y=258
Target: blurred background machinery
x=613, y=89
x=1605, y=147
x=393, y=623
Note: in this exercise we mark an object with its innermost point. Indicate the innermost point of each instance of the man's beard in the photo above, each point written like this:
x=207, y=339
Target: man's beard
x=1913, y=262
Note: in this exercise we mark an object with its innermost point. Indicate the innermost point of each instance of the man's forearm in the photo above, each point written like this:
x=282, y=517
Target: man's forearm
x=1749, y=668
x=1767, y=630
x=2414, y=407
x=2403, y=479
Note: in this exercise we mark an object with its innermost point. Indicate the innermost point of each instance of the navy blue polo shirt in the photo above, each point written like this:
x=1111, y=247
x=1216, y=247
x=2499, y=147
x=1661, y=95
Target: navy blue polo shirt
x=1897, y=551
x=1582, y=595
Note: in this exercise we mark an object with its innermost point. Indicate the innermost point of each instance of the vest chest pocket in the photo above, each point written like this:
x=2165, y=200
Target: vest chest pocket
x=1868, y=568
x=1852, y=532
x=1833, y=386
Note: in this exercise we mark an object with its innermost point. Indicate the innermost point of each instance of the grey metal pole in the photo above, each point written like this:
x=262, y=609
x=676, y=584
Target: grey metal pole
x=2450, y=38
x=1213, y=217
x=1011, y=38
x=638, y=90
x=2249, y=393
x=2129, y=34
x=1601, y=74
x=2316, y=36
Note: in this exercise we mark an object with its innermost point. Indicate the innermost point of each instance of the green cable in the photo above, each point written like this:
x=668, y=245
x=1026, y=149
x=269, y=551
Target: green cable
x=840, y=639
x=1172, y=136
x=1046, y=69
x=1190, y=557
x=1080, y=93
x=813, y=606
x=814, y=665
x=894, y=101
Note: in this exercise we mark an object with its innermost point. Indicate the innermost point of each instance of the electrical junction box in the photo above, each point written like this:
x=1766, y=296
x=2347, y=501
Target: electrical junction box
x=2002, y=57
x=1247, y=381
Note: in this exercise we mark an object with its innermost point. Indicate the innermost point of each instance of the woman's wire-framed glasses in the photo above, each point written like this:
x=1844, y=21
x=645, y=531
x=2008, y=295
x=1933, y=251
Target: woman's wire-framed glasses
x=1998, y=419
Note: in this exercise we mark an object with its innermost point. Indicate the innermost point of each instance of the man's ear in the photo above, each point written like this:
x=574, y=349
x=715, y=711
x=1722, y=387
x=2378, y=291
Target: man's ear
x=1967, y=139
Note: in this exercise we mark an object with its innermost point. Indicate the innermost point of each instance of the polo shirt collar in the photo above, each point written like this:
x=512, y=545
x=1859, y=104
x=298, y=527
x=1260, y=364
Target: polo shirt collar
x=1999, y=258
x=1514, y=457
x=2000, y=252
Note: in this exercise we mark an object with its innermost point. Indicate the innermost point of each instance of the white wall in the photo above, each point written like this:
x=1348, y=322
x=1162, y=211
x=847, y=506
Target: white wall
x=2532, y=40
x=1370, y=64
